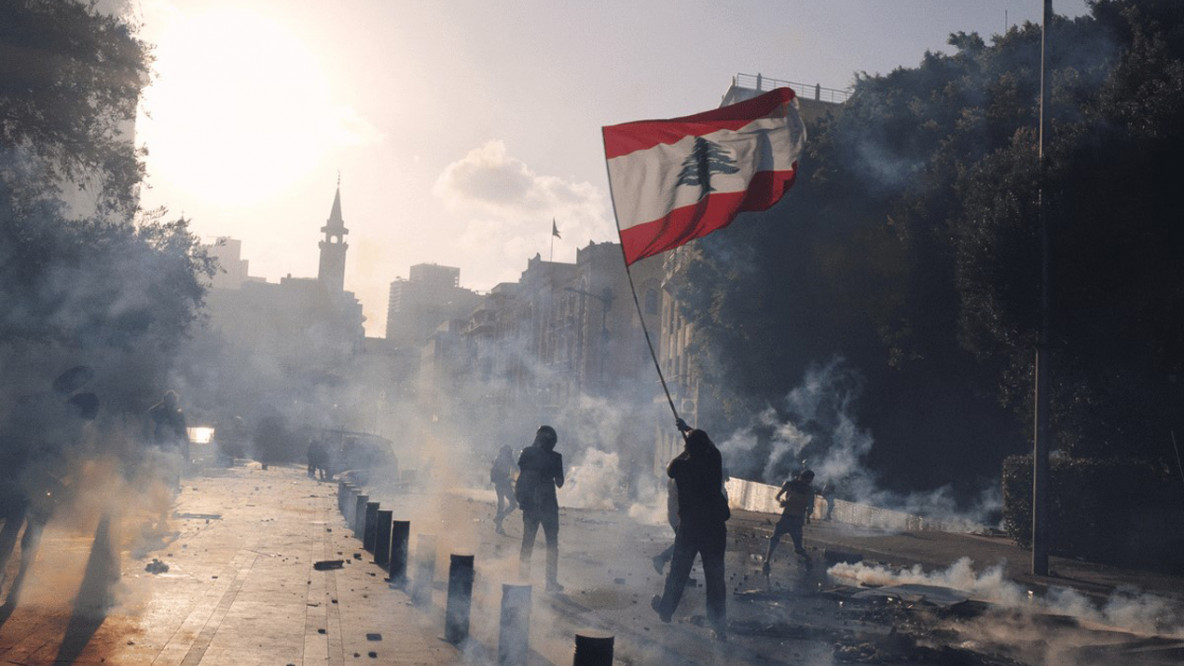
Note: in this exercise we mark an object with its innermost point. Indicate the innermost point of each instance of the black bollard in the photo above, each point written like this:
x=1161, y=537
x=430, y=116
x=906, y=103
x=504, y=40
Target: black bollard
x=382, y=539
x=593, y=650
x=400, y=535
x=460, y=598
x=425, y=569
x=513, y=641
x=359, y=516
x=370, y=529
x=349, y=502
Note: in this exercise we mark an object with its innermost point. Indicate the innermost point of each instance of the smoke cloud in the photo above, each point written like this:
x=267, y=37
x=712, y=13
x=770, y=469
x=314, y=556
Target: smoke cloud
x=815, y=426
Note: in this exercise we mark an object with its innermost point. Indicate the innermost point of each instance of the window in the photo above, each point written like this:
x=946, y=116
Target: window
x=651, y=301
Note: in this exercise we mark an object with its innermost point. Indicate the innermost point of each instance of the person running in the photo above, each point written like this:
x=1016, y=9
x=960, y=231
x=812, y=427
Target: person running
x=501, y=475
x=799, y=499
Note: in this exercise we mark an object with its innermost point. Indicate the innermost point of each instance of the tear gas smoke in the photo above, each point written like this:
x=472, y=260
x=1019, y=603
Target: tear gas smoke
x=1126, y=608
x=815, y=426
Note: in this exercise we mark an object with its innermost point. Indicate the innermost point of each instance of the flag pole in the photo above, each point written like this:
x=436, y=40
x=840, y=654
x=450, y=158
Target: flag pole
x=636, y=303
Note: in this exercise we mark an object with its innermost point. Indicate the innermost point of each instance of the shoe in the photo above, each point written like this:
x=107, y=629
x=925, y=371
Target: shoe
x=720, y=635
x=765, y=569
x=801, y=551
x=656, y=604
x=659, y=563
x=553, y=586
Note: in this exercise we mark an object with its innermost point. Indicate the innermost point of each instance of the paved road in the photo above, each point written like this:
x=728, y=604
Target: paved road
x=241, y=588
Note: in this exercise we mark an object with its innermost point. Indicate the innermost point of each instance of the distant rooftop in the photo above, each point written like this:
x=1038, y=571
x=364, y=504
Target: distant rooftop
x=804, y=91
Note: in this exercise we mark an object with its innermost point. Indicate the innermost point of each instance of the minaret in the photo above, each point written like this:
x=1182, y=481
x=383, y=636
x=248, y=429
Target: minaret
x=333, y=247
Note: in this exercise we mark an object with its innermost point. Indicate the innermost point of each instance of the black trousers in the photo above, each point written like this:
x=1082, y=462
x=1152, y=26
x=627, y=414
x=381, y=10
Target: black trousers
x=709, y=542
x=505, y=500
x=530, y=528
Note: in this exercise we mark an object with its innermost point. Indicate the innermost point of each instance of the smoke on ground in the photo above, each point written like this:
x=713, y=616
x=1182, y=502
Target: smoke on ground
x=1126, y=608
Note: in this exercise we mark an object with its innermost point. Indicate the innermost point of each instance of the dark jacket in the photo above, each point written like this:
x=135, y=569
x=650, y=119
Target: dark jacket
x=699, y=475
x=540, y=472
x=799, y=497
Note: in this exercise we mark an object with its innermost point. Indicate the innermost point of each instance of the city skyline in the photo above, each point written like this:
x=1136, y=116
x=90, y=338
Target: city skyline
x=459, y=132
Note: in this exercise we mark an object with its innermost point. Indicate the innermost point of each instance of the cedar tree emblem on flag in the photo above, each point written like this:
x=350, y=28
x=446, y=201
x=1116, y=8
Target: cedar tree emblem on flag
x=679, y=179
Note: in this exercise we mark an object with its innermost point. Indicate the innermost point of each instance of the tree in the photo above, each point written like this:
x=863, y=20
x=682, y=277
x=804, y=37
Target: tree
x=706, y=158
x=909, y=247
x=98, y=278
x=70, y=80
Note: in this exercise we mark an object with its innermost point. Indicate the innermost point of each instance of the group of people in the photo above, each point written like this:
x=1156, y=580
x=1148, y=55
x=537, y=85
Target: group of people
x=697, y=510
x=697, y=488
x=41, y=438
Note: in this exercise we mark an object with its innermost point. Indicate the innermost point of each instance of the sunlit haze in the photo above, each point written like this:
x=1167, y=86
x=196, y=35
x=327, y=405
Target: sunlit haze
x=461, y=129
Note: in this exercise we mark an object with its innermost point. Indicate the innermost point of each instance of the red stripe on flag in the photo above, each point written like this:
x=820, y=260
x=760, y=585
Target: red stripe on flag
x=642, y=134
x=712, y=213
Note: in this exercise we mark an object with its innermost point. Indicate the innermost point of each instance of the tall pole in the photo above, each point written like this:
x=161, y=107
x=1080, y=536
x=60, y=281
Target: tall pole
x=1040, y=466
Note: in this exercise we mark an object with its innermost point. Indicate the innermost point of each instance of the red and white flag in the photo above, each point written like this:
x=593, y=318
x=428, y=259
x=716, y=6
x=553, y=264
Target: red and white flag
x=679, y=179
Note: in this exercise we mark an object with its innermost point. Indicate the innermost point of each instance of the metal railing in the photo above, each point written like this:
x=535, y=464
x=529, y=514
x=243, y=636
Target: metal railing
x=802, y=90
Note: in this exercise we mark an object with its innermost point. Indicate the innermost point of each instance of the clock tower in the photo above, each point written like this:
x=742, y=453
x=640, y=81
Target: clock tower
x=333, y=247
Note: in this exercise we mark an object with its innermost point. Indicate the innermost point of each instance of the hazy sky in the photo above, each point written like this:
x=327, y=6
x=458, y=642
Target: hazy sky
x=461, y=128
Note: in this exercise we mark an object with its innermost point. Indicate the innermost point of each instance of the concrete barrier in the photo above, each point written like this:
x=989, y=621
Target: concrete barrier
x=761, y=498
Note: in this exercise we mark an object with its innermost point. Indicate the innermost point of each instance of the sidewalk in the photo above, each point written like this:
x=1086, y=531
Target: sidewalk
x=938, y=550
x=240, y=588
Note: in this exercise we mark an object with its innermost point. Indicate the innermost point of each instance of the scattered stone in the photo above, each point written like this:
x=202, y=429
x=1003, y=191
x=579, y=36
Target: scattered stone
x=156, y=567
x=619, y=581
x=373, y=637
x=373, y=655
x=321, y=631
x=324, y=565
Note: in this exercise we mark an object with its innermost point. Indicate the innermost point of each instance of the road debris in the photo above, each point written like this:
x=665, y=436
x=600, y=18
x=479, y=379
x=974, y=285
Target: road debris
x=156, y=567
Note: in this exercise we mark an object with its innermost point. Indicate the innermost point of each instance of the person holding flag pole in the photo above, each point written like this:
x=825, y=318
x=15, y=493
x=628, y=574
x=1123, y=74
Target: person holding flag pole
x=672, y=181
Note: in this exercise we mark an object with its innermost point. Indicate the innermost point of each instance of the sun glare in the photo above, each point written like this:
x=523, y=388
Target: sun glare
x=239, y=109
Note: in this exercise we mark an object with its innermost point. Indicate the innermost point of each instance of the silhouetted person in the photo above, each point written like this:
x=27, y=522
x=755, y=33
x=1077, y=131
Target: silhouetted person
x=828, y=494
x=501, y=475
x=232, y=441
x=168, y=433
x=799, y=500
x=34, y=445
x=702, y=528
x=318, y=459
x=540, y=473
x=661, y=559
x=168, y=439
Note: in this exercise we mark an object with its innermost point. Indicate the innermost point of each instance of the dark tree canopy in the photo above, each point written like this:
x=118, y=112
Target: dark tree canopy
x=910, y=248
x=92, y=272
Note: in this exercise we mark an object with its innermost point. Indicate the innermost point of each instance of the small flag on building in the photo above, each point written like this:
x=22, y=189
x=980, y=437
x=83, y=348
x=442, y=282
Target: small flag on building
x=555, y=229
x=680, y=179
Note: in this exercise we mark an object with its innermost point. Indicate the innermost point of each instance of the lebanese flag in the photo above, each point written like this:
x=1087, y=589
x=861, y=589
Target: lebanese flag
x=683, y=178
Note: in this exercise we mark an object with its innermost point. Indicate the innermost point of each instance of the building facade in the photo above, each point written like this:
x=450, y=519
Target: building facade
x=429, y=297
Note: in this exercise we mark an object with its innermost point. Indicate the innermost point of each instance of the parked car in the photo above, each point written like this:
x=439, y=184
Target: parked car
x=362, y=453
